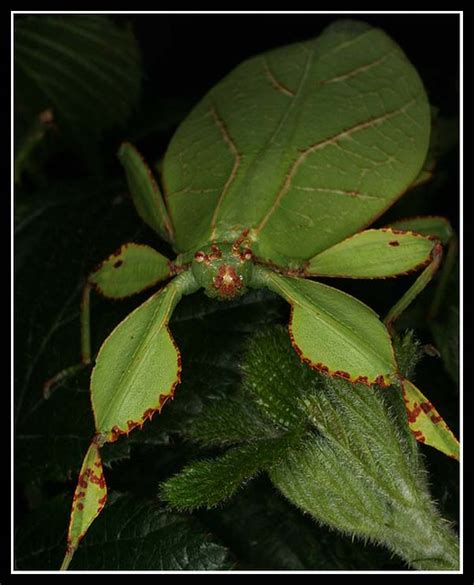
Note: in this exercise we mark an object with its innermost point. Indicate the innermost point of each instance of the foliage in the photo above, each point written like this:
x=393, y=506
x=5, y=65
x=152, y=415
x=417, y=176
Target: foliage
x=345, y=454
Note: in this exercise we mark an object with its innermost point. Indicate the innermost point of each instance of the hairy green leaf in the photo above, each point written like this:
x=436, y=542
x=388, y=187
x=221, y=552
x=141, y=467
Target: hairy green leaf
x=358, y=471
x=229, y=421
x=207, y=483
x=268, y=533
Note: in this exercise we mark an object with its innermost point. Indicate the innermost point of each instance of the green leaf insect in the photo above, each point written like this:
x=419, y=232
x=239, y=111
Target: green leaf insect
x=271, y=182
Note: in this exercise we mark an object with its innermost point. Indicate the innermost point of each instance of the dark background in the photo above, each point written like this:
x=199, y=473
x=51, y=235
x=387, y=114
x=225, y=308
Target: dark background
x=185, y=55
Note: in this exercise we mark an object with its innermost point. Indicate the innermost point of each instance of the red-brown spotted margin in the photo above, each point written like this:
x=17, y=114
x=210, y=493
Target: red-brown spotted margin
x=425, y=423
x=91, y=491
x=116, y=431
x=381, y=381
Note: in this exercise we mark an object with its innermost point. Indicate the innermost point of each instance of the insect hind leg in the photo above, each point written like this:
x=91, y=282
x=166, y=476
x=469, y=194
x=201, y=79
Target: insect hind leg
x=86, y=359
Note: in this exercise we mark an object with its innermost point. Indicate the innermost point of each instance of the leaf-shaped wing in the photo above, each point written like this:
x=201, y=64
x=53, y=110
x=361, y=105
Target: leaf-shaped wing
x=305, y=145
x=334, y=332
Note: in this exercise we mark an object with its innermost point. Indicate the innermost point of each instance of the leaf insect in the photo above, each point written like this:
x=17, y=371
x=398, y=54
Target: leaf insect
x=271, y=182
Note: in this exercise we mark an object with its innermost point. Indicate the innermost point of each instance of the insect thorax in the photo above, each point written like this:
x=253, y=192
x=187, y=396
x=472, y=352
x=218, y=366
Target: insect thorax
x=224, y=270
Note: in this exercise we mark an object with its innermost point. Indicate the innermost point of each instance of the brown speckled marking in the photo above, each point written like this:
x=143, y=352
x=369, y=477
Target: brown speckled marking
x=426, y=407
x=216, y=253
x=419, y=436
x=118, y=263
x=148, y=414
x=362, y=380
x=394, y=243
x=380, y=381
x=227, y=281
x=341, y=374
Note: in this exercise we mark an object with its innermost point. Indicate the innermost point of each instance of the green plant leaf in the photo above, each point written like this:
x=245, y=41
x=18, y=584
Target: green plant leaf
x=358, y=470
x=155, y=540
x=78, y=65
x=230, y=421
x=268, y=533
x=209, y=482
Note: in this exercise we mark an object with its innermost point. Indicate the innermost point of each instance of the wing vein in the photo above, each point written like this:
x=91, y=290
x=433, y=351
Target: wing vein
x=233, y=173
x=333, y=140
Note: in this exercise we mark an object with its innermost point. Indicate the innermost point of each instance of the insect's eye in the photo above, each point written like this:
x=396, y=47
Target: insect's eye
x=199, y=256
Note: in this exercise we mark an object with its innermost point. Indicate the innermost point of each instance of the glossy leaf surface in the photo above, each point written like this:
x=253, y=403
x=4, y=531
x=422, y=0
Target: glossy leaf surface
x=304, y=144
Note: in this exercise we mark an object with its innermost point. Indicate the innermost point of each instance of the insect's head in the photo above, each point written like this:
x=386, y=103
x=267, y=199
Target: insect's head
x=223, y=270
